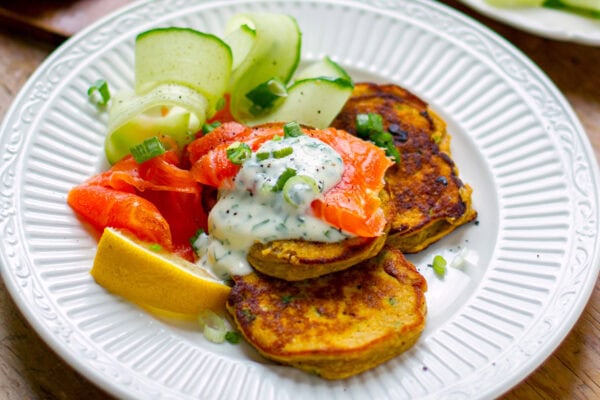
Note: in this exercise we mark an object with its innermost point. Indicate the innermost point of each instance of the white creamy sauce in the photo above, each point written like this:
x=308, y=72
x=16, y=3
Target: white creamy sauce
x=252, y=211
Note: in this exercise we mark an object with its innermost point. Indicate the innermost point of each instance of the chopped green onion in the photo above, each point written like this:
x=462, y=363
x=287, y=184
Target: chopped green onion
x=233, y=337
x=292, y=129
x=198, y=233
x=439, y=265
x=238, y=152
x=206, y=128
x=147, y=150
x=370, y=127
x=283, y=178
x=284, y=152
x=262, y=155
x=99, y=92
x=265, y=94
x=155, y=247
x=213, y=326
x=368, y=124
x=298, y=185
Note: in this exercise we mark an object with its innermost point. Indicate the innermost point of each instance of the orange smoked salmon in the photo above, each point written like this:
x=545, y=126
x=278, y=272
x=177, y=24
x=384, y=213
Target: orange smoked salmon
x=156, y=200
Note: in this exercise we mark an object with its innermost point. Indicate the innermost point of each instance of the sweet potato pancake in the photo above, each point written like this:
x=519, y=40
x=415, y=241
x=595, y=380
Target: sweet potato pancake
x=428, y=197
x=295, y=260
x=337, y=325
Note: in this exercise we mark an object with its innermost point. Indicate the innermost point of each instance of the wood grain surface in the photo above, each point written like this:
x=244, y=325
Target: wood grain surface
x=29, y=369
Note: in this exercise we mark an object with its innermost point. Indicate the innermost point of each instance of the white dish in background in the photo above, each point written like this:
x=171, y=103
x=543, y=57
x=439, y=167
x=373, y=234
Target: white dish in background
x=532, y=261
x=546, y=22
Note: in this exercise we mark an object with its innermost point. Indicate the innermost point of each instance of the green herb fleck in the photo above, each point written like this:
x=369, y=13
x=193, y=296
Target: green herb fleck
x=368, y=124
x=370, y=127
x=147, y=150
x=261, y=223
x=439, y=265
x=99, y=93
x=238, y=152
x=233, y=337
x=265, y=95
x=195, y=237
x=155, y=247
x=292, y=129
x=284, y=152
x=283, y=178
x=207, y=128
x=262, y=155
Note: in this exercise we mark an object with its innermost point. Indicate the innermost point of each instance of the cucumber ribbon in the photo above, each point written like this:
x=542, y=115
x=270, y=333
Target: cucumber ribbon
x=181, y=75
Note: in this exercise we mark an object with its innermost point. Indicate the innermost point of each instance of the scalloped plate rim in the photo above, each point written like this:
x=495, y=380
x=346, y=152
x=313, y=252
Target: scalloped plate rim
x=99, y=378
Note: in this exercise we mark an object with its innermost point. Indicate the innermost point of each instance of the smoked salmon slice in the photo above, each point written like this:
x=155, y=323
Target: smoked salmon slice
x=156, y=201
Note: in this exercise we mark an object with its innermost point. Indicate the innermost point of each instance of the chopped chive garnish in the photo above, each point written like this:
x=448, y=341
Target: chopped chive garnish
x=206, y=128
x=147, y=150
x=284, y=152
x=238, y=152
x=298, y=188
x=370, y=127
x=264, y=95
x=261, y=223
x=283, y=178
x=155, y=247
x=439, y=265
x=262, y=155
x=368, y=124
x=292, y=129
x=99, y=92
x=196, y=236
x=233, y=337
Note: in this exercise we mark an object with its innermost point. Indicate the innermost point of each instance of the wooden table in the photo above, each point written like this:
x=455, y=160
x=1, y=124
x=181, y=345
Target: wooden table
x=29, y=369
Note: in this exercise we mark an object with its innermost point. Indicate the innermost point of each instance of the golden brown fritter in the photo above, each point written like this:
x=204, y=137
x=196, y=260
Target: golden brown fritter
x=295, y=260
x=427, y=197
x=337, y=325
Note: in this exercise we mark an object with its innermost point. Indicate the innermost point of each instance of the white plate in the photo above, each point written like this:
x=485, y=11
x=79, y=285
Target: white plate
x=533, y=257
x=546, y=22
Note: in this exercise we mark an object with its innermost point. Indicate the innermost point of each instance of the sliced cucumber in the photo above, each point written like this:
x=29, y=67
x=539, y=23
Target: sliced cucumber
x=186, y=57
x=323, y=68
x=275, y=54
x=240, y=41
x=133, y=118
x=314, y=102
x=318, y=94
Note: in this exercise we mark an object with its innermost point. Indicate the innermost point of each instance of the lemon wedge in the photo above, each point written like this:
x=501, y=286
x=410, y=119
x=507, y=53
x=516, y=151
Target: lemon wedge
x=155, y=279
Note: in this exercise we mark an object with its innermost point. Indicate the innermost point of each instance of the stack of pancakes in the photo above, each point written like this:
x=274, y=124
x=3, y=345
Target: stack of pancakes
x=338, y=309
